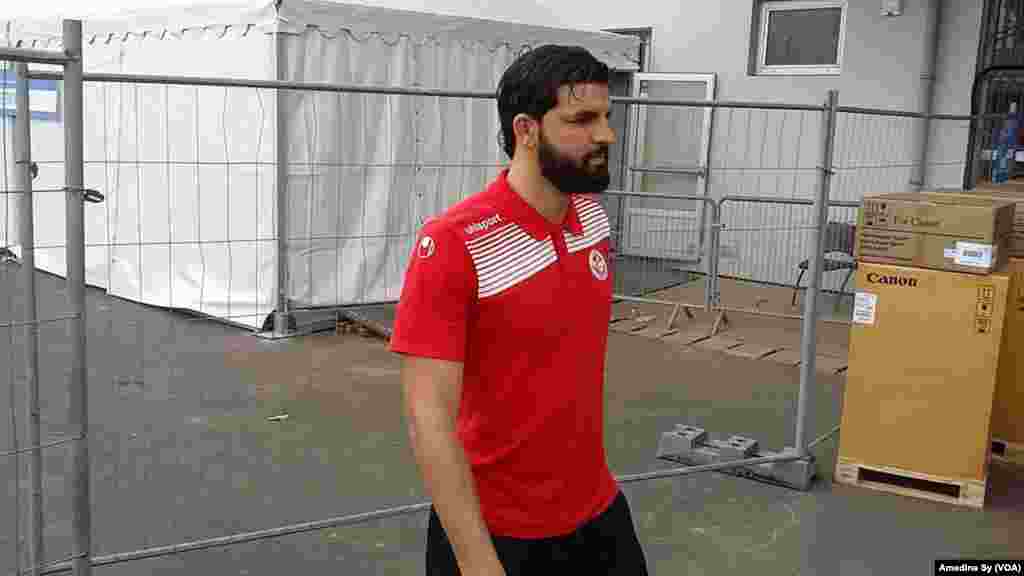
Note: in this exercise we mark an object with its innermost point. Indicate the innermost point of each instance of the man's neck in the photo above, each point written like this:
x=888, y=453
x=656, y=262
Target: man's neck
x=527, y=181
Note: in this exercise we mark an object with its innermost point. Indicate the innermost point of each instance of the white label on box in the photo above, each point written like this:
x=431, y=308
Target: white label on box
x=864, y=306
x=972, y=254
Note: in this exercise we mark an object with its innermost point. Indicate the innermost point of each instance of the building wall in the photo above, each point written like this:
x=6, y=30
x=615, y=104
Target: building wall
x=776, y=153
x=883, y=55
x=884, y=58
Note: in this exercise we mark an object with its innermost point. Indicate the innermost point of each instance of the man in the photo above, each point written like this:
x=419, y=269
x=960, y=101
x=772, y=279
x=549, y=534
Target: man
x=503, y=325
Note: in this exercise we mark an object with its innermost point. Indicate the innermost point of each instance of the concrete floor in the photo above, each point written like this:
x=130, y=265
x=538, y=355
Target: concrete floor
x=182, y=449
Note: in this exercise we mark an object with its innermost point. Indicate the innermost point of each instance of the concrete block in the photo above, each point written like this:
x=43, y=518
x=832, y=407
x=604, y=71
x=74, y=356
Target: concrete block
x=737, y=448
x=681, y=441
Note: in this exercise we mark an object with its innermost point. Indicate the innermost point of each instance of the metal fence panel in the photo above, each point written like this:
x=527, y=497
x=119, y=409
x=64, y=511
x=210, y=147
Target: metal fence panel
x=657, y=254
x=761, y=162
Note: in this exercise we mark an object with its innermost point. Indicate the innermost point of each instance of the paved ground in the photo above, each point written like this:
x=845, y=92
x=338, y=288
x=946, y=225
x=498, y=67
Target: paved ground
x=182, y=449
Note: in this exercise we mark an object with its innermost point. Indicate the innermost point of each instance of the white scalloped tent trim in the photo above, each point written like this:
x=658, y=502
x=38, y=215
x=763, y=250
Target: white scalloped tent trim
x=330, y=19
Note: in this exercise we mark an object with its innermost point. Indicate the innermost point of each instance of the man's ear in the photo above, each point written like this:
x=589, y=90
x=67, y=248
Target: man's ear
x=526, y=129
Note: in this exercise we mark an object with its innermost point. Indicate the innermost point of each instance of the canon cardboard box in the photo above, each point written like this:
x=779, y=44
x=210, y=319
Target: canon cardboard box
x=1012, y=193
x=924, y=352
x=1008, y=411
x=941, y=231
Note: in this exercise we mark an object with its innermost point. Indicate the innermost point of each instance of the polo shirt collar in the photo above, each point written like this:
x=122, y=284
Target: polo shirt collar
x=526, y=216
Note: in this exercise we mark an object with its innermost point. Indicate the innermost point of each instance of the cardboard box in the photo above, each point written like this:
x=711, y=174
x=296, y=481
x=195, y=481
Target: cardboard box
x=1008, y=409
x=940, y=231
x=924, y=352
x=1014, y=184
x=1015, y=194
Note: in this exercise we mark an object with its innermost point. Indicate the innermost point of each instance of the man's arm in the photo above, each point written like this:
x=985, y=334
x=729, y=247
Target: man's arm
x=431, y=393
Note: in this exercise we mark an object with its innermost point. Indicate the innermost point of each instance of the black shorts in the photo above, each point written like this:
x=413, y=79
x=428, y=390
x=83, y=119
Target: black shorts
x=607, y=544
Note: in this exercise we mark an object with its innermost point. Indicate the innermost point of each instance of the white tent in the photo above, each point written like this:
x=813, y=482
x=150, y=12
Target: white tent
x=189, y=173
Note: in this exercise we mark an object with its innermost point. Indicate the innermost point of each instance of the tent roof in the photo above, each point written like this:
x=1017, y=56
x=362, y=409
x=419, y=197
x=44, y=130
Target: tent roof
x=329, y=18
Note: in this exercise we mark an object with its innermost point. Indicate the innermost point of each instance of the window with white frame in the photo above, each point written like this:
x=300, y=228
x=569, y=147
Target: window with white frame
x=800, y=37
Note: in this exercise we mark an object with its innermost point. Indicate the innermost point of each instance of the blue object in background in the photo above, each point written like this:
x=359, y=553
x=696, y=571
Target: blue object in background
x=1012, y=126
x=1005, y=148
x=44, y=100
x=1000, y=156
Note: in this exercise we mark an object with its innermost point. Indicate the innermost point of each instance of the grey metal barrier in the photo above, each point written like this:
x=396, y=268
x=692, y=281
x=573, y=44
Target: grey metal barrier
x=136, y=370
x=769, y=281
x=661, y=251
x=75, y=197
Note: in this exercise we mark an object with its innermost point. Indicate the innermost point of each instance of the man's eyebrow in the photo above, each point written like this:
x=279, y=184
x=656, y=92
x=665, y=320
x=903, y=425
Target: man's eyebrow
x=580, y=114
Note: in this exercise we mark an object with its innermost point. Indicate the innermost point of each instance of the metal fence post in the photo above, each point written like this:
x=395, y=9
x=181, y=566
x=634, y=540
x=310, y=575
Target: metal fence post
x=81, y=518
x=808, y=341
x=714, y=242
x=282, y=318
x=23, y=180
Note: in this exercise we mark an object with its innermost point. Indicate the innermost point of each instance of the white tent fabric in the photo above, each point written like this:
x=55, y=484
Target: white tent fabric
x=530, y=12
x=189, y=172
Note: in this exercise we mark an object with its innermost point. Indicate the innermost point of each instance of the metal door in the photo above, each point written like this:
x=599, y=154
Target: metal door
x=669, y=154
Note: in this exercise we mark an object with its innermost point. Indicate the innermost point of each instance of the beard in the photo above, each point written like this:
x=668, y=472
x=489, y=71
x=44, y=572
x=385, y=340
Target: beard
x=574, y=177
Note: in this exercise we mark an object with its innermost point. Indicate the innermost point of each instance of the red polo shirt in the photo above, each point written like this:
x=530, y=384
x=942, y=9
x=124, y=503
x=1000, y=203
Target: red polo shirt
x=524, y=304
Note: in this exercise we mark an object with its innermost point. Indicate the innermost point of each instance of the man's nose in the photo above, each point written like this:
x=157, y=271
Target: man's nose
x=604, y=134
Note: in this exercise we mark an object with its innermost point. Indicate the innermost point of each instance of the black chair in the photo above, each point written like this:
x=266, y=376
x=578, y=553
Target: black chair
x=839, y=242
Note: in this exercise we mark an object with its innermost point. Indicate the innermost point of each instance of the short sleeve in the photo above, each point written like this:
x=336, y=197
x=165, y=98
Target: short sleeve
x=437, y=297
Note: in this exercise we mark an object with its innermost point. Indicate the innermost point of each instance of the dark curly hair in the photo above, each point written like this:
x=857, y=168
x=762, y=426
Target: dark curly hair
x=530, y=84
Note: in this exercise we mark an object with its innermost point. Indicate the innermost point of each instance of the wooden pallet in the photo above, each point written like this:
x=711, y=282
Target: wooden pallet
x=969, y=493
x=1008, y=452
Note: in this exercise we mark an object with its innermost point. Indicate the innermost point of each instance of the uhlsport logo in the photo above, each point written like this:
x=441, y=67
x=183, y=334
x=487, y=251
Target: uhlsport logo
x=483, y=224
x=426, y=247
x=598, y=267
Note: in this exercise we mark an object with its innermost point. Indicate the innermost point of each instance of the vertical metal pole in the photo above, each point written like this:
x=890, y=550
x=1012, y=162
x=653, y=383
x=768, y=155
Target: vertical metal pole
x=716, y=296
x=809, y=338
x=711, y=297
x=281, y=186
x=81, y=518
x=20, y=112
x=706, y=232
x=23, y=178
x=920, y=178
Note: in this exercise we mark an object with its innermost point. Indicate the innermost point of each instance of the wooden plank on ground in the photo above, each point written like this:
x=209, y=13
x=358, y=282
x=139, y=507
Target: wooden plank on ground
x=719, y=343
x=655, y=331
x=635, y=325
x=689, y=336
x=829, y=364
x=751, y=350
x=787, y=356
